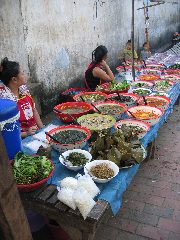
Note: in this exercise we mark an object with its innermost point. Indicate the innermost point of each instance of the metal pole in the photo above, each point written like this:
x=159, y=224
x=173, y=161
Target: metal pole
x=132, y=39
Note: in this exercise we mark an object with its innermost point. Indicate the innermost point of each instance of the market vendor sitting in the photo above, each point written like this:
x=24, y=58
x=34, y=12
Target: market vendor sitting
x=145, y=53
x=98, y=71
x=127, y=54
x=13, y=87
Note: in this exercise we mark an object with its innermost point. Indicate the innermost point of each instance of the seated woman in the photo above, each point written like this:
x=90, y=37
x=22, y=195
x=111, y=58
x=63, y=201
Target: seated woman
x=127, y=54
x=145, y=54
x=12, y=86
x=95, y=74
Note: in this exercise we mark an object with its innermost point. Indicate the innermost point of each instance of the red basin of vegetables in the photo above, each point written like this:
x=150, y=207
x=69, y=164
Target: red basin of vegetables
x=86, y=108
x=107, y=91
x=34, y=186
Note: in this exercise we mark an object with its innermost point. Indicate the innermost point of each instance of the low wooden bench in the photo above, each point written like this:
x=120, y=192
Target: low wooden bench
x=45, y=202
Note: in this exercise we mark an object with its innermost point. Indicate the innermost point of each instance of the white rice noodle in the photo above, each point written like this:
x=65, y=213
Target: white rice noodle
x=69, y=182
x=65, y=195
x=86, y=182
x=83, y=201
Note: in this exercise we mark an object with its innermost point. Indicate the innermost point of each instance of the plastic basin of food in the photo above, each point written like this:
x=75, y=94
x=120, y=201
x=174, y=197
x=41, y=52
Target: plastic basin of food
x=128, y=68
x=64, y=147
x=145, y=89
x=136, y=123
x=148, y=84
x=105, y=86
x=134, y=97
x=34, y=186
x=78, y=99
x=155, y=66
x=71, y=167
x=143, y=108
x=148, y=77
x=86, y=108
x=96, y=121
x=94, y=163
x=117, y=115
x=150, y=71
x=162, y=98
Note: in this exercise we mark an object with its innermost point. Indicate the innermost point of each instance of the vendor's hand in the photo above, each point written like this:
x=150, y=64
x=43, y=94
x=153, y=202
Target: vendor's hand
x=31, y=131
x=103, y=63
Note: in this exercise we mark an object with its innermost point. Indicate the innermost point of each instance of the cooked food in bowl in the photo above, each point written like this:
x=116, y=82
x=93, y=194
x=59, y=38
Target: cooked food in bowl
x=90, y=97
x=155, y=101
x=96, y=121
x=145, y=115
x=110, y=109
x=76, y=159
x=70, y=136
x=141, y=91
x=142, y=84
x=102, y=171
x=113, y=86
x=72, y=110
x=163, y=85
x=148, y=77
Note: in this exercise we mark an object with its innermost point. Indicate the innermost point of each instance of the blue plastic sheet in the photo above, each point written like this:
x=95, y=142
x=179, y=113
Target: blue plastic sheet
x=112, y=191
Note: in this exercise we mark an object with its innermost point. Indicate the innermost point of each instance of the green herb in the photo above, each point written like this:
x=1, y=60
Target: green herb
x=30, y=169
x=77, y=159
x=141, y=91
x=119, y=86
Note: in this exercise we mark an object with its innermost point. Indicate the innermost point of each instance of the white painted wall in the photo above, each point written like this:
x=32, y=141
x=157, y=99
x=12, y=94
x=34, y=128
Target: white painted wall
x=59, y=35
x=12, y=43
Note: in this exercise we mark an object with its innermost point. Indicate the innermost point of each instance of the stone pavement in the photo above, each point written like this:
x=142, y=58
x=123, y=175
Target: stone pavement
x=151, y=205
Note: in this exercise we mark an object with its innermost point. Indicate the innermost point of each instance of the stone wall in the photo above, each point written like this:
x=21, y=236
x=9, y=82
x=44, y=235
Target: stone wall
x=54, y=38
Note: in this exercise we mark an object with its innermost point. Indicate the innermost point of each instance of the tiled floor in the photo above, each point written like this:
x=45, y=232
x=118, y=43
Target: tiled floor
x=151, y=206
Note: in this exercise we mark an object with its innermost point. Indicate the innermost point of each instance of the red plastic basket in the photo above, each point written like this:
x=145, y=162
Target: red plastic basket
x=34, y=186
x=86, y=108
x=105, y=89
x=76, y=97
x=70, y=90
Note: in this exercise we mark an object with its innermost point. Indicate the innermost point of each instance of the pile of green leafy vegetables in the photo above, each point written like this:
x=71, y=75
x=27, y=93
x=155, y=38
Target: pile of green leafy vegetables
x=30, y=169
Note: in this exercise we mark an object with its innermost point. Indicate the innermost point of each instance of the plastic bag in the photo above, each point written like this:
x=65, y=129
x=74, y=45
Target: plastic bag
x=86, y=182
x=65, y=195
x=83, y=201
x=69, y=182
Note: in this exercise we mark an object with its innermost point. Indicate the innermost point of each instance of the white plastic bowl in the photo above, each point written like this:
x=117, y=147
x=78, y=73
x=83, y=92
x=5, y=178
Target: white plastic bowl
x=151, y=121
x=71, y=167
x=112, y=165
x=136, y=123
x=150, y=84
x=163, y=98
x=141, y=89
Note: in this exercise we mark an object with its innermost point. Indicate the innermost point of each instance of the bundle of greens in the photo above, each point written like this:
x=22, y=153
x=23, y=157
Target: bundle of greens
x=30, y=169
x=115, y=148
